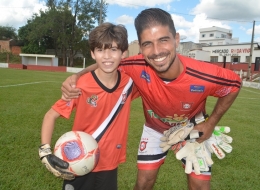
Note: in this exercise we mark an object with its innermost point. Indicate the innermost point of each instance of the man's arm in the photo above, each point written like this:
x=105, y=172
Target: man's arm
x=222, y=105
x=68, y=87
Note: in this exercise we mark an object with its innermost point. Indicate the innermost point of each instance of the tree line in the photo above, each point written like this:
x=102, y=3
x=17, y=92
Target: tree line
x=64, y=26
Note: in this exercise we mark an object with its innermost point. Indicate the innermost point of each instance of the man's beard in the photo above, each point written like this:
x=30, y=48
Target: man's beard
x=160, y=55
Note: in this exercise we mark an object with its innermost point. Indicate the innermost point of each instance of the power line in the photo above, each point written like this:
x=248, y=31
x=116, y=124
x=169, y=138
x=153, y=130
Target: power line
x=178, y=13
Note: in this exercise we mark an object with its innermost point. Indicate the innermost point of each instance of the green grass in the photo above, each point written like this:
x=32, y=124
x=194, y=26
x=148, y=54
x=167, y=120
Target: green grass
x=22, y=108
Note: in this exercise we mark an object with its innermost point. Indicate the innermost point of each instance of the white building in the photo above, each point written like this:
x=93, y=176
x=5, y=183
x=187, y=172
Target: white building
x=216, y=36
x=233, y=53
x=221, y=47
x=185, y=47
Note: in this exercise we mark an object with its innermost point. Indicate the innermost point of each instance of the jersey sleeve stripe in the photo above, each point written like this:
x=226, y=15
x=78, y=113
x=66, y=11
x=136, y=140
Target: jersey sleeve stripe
x=213, y=79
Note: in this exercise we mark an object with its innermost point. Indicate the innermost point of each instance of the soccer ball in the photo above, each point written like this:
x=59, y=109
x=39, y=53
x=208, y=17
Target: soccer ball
x=80, y=150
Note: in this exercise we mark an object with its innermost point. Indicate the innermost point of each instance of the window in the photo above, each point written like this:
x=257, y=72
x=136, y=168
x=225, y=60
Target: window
x=203, y=35
x=235, y=59
x=213, y=58
x=247, y=59
x=223, y=36
x=211, y=35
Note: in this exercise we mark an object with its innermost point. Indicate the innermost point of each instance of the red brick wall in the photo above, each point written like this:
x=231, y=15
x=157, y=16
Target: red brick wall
x=16, y=50
x=47, y=68
x=4, y=45
x=16, y=66
x=237, y=67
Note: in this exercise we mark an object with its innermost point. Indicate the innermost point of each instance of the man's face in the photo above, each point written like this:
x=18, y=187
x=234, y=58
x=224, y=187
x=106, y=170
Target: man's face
x=158, y=45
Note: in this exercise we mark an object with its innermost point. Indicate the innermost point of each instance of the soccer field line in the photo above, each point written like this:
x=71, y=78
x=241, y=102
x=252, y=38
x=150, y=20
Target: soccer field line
x=248, y=98
x=22, y=84
x=250, y=91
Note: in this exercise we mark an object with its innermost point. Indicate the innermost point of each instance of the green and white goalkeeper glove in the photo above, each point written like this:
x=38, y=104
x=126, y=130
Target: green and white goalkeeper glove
x=54, y=164
x=219, y=141
x=177, y=134
x=196, y=157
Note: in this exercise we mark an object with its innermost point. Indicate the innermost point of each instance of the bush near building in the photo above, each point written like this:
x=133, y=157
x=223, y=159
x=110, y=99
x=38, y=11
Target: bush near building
x=7, y=57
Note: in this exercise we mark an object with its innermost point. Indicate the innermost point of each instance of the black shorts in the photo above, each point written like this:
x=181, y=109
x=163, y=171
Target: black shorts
x=102, y=180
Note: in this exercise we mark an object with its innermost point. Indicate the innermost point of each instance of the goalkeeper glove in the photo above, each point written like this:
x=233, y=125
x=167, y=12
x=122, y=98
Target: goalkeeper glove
x=196, y=157
x=177, y=134
x=219, y=141
x=54, y=164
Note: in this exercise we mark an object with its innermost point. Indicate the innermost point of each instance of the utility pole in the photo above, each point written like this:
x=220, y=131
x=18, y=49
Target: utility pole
x=100, y=12
x=250, y=57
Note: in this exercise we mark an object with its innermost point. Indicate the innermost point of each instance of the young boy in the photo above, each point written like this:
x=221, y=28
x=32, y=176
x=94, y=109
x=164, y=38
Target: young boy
x=102, y=111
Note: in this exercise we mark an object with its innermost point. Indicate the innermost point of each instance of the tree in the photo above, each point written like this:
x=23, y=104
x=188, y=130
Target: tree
x=63, y=27
x=7, y=33
x=85, y=15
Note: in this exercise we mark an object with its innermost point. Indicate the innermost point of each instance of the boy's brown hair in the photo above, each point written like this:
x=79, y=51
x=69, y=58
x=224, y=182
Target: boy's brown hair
x=105, y=34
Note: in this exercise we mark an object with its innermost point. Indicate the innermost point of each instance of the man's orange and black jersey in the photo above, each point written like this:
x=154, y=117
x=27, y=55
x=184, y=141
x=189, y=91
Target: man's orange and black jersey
x=168, y=103
x=103, y=113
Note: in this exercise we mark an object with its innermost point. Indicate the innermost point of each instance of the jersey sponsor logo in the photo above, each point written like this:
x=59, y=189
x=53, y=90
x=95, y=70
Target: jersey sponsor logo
x=186, y=105
x=142, y=146
x=92, y=100
x=170, y=120
x=68, y=103
x=197, y=88
x=223, y=91
x=146, y=76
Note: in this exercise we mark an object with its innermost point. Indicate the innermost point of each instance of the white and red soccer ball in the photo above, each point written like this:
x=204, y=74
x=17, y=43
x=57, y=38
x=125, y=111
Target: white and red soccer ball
x=80, y=150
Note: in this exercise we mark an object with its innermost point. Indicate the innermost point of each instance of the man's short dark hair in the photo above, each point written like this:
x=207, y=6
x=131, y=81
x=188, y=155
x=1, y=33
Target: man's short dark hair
x=153, y=17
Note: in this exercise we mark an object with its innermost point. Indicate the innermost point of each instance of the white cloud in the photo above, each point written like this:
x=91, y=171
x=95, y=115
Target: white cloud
x=168, y=7
x=231, y=10
x=190, y=29
x=125, y=19
x=242, y=28
x=16, y=13
x=256, y=32
x=257, y=40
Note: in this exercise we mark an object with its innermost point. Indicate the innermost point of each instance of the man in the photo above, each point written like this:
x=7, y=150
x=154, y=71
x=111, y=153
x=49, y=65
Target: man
x=173, y=88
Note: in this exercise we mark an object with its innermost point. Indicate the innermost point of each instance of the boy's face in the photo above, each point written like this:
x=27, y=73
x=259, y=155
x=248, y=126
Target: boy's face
x=108, y=59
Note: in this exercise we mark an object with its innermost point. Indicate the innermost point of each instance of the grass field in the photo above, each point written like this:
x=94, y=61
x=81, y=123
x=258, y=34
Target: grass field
x=26, y=95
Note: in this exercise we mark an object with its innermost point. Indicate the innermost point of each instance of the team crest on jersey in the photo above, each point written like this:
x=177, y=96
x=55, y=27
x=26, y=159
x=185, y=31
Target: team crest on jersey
x=186, y=105
x=142, y=146
x=146, y=76
x=223, y=91
x=124, y=96
x=197, y=88
x=92, y=100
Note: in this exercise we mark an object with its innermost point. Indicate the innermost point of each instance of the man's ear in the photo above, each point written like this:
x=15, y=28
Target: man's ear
x=93, y=55
x=140, y=49
x=124, y=54
x=177, y=39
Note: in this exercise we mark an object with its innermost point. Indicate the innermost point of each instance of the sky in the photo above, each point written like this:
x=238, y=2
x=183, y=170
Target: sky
x=188, y=15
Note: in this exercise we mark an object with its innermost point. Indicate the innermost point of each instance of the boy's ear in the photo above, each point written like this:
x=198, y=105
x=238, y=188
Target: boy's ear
x=93, y=55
